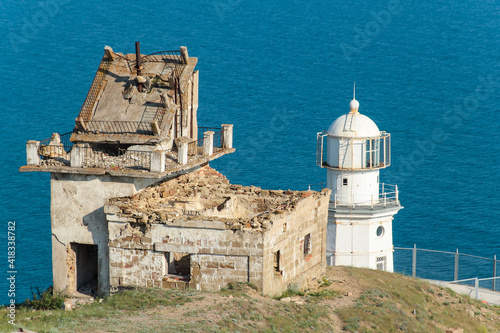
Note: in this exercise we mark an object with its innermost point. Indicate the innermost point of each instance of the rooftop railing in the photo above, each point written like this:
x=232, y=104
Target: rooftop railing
x=388, y=196
x=95, y=89
x=117, y=159
x=118, y=127
x=56, y=150
x=60, y=151
x=172, y=60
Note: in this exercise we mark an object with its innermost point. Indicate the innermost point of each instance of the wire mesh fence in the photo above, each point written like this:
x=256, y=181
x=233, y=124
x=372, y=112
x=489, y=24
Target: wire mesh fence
x=446, y=266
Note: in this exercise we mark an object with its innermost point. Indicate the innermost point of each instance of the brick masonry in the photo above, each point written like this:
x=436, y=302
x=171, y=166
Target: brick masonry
x=225, y=243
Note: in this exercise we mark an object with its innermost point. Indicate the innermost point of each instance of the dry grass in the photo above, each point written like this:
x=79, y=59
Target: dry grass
x=377, y=302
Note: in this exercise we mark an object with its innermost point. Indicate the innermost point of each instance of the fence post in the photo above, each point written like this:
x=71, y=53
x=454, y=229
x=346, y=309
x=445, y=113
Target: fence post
x=157, y=161
x=32, y=157
x=494, y=271
x=227, y=136
x=456, y=266
x=414, y=261
x=476, y=285
x=208, y=143
x=182, y=152
x=76, y=156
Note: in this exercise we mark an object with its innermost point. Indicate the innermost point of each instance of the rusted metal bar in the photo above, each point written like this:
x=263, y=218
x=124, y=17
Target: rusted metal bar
x=138, y=66
x=88, y=105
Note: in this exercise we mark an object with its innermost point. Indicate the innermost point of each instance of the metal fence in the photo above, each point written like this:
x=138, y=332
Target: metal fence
x=172, y=59
x=95, y=89
x=119, y=127
x=217, y=137
x=56, y=150
x=447, y=266
x=118, y=159
x=218, y=144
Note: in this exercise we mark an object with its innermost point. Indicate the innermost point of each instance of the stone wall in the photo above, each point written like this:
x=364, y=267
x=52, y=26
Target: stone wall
x=135, y=268
x=287, y=236
x=231, y=233
x=218, y=255
x=213, y=272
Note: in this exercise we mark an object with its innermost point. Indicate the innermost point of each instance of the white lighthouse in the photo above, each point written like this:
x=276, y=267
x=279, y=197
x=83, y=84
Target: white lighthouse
x=361, y=208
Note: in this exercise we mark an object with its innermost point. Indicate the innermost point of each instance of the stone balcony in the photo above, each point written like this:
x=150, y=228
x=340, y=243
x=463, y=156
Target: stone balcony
x=60, y=155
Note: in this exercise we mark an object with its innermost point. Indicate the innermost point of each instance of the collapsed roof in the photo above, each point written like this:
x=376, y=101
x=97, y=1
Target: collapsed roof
x=140, y=99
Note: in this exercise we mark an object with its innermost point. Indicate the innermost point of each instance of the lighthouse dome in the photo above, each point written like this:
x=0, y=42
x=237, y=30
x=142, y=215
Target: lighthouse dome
x=354, y=125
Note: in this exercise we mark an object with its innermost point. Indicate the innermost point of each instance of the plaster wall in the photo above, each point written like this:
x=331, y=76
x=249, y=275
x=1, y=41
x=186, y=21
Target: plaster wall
x=362, y=187
x=353, y=240
x=77, y=216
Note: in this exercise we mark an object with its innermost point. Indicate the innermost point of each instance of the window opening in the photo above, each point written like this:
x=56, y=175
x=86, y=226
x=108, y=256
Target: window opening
x=307, y=245
x=277, y=261
x=382, y=263
x=177, y=263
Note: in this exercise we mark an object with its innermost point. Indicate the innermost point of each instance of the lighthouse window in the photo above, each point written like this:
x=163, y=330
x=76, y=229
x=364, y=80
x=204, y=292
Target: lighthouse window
x=380, y=231
x=372, y=153
x=344, y=181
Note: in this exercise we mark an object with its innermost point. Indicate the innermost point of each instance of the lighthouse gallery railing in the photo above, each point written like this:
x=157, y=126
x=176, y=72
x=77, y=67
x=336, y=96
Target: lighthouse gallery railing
x=388, y=196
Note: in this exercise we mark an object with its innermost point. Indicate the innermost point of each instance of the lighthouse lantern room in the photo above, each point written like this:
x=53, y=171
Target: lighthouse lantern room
x=361, y=208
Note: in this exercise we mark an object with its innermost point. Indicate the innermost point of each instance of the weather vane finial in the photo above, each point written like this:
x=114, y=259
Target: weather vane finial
x=354, y=92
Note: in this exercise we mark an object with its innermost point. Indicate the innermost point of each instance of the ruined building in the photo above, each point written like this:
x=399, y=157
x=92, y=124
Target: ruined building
x=134, y=201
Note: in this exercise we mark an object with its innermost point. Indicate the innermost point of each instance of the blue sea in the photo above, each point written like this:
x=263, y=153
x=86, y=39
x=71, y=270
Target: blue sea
x=426, y=71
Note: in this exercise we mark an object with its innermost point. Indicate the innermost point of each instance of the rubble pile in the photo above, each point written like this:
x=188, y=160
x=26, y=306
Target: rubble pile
x=207, y=195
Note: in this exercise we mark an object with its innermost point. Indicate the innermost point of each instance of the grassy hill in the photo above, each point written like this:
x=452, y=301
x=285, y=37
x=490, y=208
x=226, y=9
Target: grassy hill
x=346, y=299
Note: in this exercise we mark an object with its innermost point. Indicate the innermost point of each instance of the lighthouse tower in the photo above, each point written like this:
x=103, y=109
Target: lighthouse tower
x=361, y=208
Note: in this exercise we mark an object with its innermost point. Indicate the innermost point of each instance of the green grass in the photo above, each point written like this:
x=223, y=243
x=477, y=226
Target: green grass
x=387, y=303
x=395, y=303
x=129, y=301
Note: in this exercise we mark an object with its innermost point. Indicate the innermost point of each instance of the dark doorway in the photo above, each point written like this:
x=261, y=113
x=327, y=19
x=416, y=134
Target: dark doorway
x=86, y=268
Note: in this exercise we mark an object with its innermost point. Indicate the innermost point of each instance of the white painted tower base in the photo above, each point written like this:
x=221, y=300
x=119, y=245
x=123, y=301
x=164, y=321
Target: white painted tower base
x=347, y=227
x=361, y=208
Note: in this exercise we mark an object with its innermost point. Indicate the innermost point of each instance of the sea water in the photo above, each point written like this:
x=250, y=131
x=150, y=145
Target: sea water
x=426, y=71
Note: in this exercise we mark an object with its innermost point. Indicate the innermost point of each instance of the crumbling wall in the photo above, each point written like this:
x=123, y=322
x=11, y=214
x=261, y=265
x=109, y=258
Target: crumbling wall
x=135, y=268
x=285, y=261
x=213, y=272
x=77, y=216
x=231, y=232
x=218, y=255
